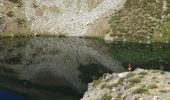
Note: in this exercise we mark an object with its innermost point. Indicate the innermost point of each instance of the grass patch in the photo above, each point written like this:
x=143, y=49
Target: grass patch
x=130, y=74
x=128, y=86
x=55, y=9
x=15, y=1
x=110, y=86
x=104, y=75
x=163, y=91
x=135, y=79
x=162, y=72
x=103, y=86
x=106, y=97
x=166, y=29
x=118, y=97
x=96, y=82
x=140, y=90
x=141, y=76
x=137, y=98
x=121, y=80
x=156, y=71
x=143, y=73
x=154, y=77
x=152, y=86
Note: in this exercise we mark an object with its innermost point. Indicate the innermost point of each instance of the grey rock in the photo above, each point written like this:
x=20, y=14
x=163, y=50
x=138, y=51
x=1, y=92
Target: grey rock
x=126, y=87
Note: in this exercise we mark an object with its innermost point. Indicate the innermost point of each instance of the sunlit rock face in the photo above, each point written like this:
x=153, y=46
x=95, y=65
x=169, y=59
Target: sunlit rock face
x=61, y=62
x=71, y=17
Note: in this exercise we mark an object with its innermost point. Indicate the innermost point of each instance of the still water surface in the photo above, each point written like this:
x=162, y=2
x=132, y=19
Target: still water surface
x=59, y=68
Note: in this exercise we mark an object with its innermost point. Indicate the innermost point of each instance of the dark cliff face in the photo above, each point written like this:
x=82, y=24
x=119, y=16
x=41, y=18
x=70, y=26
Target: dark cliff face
x=142, y=20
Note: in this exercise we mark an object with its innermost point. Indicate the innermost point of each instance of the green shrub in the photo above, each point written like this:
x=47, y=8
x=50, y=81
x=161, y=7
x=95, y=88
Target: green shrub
x=106, y=97
x=96, y=82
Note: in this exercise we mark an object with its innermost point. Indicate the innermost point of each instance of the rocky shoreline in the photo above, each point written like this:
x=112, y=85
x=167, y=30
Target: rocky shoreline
x=137, y=85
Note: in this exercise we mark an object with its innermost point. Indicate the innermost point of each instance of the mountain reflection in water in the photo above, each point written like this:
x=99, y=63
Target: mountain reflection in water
x=59, y=68
x=50, y=68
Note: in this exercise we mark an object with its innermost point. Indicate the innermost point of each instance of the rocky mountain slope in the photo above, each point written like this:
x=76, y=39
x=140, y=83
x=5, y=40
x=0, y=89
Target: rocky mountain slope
x=137, y=85
x=56, y=17
x=122, y=20
x=142, y=20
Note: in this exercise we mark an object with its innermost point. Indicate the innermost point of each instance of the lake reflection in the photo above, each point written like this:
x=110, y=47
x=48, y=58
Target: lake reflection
x=59, y=68
x=53, y=68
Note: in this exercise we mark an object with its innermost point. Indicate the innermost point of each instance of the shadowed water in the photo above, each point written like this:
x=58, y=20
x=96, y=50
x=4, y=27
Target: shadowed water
x=59, y=68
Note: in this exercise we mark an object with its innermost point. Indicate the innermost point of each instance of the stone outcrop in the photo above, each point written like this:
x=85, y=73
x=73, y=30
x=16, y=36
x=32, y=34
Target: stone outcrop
x=137, y=85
